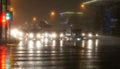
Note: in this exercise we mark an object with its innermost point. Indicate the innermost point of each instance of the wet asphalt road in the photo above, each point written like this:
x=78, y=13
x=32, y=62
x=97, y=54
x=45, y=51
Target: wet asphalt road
x=103, y=53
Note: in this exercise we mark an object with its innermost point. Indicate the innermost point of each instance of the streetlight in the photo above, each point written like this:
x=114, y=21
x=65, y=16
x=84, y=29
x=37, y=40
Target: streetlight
x=34, y=19
x=52, y=13
x=11, y=9
x=52, y=16
x=82, y=6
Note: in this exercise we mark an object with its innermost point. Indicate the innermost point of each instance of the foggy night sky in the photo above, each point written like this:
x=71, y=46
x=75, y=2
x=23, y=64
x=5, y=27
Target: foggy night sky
x=25, y=10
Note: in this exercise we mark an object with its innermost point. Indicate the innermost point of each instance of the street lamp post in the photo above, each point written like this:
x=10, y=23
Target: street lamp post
x=3, y=21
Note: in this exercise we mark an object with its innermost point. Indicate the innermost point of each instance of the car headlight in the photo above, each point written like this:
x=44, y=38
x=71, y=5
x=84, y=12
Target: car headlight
x=38, y=35
x=97, y=35
x=16, y=33
x=54, y=35
x=21, y=34
x=31, y=35
x=78, y=39
x=90, y=35
x=46, y=34
x=61, y=35
x=83, y=34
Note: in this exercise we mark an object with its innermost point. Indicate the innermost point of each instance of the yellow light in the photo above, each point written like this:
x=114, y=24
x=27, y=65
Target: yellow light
x=11, y=9
x=83, y=6
x=34, y=18
x=52, y=13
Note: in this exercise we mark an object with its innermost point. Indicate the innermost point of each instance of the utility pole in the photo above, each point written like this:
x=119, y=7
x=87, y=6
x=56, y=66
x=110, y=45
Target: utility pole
x=0, y=20
x=3, y=21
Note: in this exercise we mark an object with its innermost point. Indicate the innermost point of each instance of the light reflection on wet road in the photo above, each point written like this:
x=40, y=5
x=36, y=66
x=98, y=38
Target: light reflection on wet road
x=37, y=55
x=88, y=54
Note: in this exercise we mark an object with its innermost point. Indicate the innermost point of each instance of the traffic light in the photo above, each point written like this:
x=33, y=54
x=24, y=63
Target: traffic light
x=8, y=16
x=3, y=18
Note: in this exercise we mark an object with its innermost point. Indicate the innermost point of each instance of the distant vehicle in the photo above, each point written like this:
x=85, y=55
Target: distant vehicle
x=90, y=35
x=77, y=34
